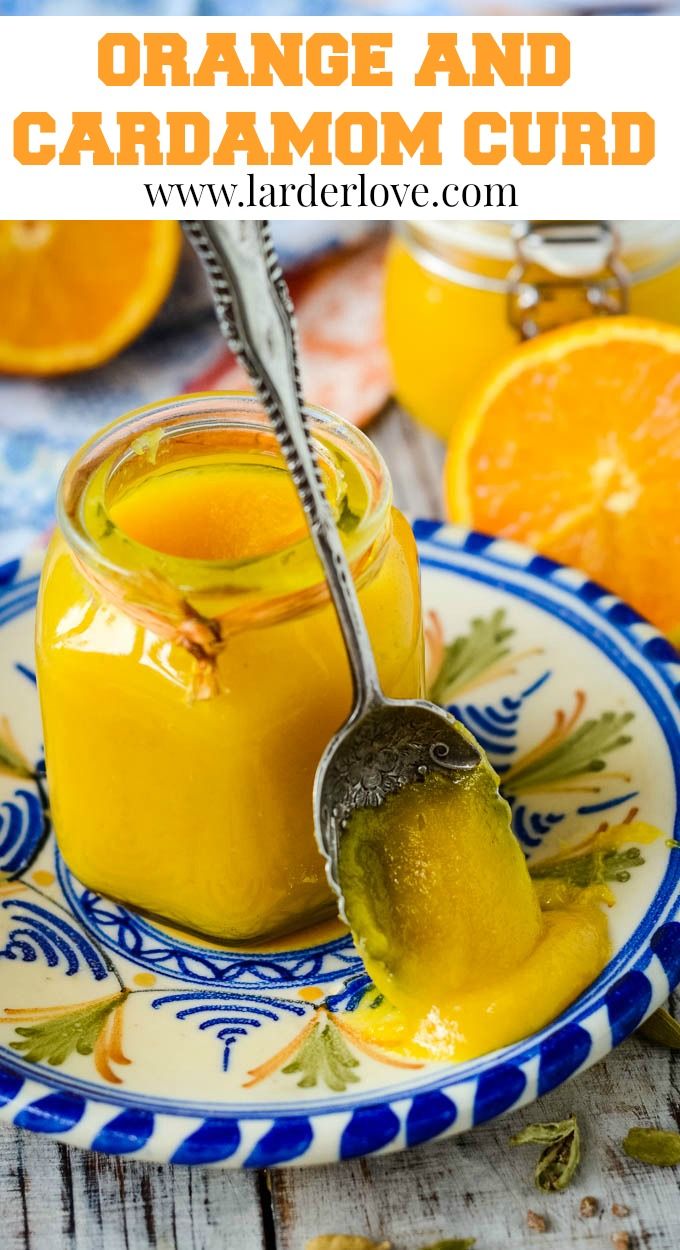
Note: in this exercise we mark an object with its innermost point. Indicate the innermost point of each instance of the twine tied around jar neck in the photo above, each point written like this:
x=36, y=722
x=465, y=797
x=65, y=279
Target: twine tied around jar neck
x=555, y=259
x=168, y=615
x=155, y=604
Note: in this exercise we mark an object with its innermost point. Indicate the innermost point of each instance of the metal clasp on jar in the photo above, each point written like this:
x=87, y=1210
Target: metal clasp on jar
x=564, y=262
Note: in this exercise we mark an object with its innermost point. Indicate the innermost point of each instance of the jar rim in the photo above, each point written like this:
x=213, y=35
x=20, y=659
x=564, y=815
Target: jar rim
x=494, y=239
x=108, y=552
x=647, y=248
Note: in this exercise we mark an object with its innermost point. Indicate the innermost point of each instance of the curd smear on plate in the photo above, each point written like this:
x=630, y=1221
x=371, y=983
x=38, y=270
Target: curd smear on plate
x=468, y=952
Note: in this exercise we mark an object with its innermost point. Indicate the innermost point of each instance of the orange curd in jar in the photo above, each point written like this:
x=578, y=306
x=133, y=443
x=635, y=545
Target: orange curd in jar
x=460, y=294
x=190, y=665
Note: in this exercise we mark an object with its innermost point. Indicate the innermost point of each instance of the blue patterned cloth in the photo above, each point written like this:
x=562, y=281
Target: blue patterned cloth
x=227, y=8
x=42, y=423
x=319, y=8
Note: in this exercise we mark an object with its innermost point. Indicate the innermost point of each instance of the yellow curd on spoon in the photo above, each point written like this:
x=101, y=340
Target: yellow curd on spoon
x=449, y=923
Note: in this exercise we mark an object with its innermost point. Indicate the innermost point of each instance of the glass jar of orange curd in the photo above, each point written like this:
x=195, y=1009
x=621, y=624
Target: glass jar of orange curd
x=460, y=294
x=190, y=665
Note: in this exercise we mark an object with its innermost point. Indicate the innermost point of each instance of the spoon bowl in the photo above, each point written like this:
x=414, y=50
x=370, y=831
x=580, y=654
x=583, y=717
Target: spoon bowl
x=393, y=743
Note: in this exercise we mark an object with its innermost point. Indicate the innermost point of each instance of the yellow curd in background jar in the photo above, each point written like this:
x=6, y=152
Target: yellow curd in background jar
x=191, y=668
x=460, y=295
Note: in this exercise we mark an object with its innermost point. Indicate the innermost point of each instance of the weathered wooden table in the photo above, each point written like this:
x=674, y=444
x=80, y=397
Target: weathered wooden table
x=53, y=1197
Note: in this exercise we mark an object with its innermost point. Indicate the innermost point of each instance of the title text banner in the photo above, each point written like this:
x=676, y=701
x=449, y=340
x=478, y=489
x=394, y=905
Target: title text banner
x=368, y=117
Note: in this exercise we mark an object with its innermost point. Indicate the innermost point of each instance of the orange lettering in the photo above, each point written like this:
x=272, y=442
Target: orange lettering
x=442, y=58
x=399, y=137
x=220, y=57
x=283, y=56
x=539, y=75
x=240, y=135
x=624, y=125
x=106, y=56
x=345, y=130
x=492, y=62
x=314, y=134
x=180, y=150
x=521, y=137
x=139, y=130
x=166, y=52
x=86, y=136
x=472, y=138
x=24, y=150
x=326, y=70
x=584, y=130
x=369, y=60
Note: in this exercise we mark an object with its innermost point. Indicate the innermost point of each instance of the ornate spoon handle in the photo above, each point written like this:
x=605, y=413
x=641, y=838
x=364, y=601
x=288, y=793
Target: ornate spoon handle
x=256, y=317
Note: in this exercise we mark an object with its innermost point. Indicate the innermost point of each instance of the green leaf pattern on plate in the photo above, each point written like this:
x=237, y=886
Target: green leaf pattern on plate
x=324, y=1056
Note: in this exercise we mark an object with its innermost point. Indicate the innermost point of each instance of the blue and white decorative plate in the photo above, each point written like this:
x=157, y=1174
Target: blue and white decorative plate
x=123, y=1036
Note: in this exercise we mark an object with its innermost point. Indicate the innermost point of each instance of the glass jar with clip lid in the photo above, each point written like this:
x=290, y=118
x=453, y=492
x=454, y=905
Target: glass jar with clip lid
x=460, y=294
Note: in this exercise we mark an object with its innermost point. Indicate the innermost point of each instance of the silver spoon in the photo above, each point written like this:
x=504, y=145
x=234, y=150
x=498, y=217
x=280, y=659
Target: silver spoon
x=386, y=743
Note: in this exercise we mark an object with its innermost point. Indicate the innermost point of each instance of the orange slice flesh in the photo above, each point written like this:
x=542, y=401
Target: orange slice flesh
x=74, y=293
x=572, y=445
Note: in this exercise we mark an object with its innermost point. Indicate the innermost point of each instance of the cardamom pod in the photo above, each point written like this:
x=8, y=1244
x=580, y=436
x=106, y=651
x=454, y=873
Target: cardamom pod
x=453, y=1243
x=558, y=1162
x=658, y=1146
x=345, y=1241
x=661, y=1028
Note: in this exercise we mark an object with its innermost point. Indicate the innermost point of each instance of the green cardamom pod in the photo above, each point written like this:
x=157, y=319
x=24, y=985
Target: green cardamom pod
x=661, y=1028
x=562, y=1154
x=345, y=1241
x=453, y=1243
x=658, y=1146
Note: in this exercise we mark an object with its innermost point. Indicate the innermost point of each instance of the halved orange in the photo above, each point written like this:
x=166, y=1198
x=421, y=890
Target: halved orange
x=572, y=445
x=74, y=293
